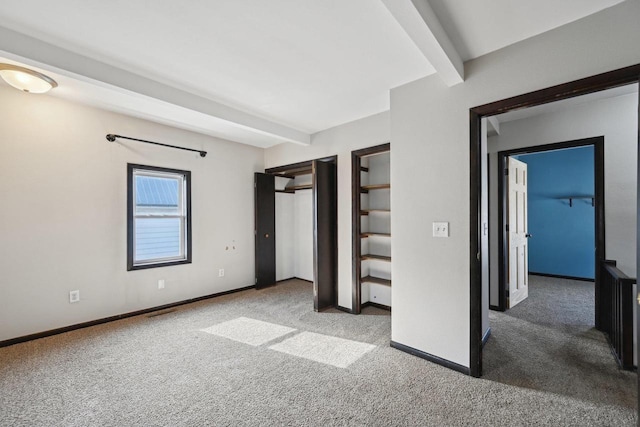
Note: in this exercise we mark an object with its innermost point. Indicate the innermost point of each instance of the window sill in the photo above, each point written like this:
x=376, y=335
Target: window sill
x=157, y=264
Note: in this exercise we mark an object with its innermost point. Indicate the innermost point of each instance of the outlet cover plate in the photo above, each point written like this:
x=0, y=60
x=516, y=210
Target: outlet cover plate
x=440, y=229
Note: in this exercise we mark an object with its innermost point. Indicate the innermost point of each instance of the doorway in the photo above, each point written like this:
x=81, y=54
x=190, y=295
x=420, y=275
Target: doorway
x=617, y=78
x=571, y=199
x=313, y=185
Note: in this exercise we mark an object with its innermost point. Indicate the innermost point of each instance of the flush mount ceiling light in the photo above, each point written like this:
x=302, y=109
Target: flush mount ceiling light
x=25, y=79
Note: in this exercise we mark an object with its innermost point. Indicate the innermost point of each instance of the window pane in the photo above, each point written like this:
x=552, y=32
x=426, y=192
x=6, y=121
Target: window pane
x=157, y=196
x=157, y=238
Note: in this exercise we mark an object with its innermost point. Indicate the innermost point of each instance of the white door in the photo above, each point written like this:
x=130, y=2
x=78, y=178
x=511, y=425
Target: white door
x=518, y=276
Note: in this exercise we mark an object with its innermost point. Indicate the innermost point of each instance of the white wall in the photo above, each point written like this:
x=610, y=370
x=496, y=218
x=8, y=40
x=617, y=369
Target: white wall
x=294, y=230
x=63, y=216
x=341, y=140
x=285, y=232
x=430, y=166
x=303, y=202
x=614, y=118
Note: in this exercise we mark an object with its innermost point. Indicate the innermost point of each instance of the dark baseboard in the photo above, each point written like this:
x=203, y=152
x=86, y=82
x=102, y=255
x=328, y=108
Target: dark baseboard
x=486, y=336
x=560, y=276
x=495, y=308
x=431, y=358
x=376, y=305
x=90, y=323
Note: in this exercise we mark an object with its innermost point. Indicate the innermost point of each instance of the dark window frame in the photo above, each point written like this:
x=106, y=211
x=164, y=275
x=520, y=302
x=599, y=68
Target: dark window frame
x=131, y=167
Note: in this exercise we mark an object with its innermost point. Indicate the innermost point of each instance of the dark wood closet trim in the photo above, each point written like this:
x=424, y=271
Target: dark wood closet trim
x=378, y=280
x=598, y=149
x=325, y=235
x=367, y=188
x=584, y=86
x=294, y=188
x=356, y=191
x=300, y=168
x=430, y=357
x=369, y=151
x=90, y=323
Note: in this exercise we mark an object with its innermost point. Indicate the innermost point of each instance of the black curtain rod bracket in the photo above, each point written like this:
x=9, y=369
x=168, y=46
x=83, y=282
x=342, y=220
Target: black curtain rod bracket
x=112, y=137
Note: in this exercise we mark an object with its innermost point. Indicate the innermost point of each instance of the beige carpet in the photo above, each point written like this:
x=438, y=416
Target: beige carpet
x=166, y=371
x=548, y=343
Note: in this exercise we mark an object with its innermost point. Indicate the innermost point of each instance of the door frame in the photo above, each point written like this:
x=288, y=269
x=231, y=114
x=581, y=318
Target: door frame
x=598, y=173
x=599, y=82
x=303, y=168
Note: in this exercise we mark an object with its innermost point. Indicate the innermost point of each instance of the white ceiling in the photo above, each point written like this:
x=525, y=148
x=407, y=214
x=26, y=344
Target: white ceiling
x=478, y=27
x=254, y=71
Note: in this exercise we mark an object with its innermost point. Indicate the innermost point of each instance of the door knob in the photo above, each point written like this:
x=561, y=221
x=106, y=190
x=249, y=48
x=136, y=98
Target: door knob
x=266, y=235
x=528, y=235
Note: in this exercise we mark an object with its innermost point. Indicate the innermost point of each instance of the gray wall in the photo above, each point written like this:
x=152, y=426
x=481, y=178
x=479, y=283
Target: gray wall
x=430, y=174
x=63, y=216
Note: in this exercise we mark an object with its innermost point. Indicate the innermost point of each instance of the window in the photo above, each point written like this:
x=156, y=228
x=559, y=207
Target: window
x=158, y=217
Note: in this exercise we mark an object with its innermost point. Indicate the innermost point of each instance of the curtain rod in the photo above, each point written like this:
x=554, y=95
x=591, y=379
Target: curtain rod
x=111, y=138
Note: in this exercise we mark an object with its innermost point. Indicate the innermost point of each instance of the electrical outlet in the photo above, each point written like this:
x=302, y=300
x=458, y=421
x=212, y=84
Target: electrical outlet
x=221, y=272
x=74, y=296
x=161, y=284
x=440, y=229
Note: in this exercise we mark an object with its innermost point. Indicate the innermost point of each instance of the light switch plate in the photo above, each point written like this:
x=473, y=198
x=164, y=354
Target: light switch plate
x=440, y=229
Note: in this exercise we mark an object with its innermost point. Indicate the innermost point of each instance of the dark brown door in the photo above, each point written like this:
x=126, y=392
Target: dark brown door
x=325, y=235
x=265, y=229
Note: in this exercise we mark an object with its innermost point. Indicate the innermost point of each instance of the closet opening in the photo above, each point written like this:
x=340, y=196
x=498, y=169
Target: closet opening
x=296, y=227
x=371, y=217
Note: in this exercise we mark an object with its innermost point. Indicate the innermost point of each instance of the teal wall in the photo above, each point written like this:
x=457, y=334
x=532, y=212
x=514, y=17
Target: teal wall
x=563, y=239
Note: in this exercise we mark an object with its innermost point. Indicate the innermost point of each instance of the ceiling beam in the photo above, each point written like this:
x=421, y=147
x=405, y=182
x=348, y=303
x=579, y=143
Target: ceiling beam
x=70, y=64
x=419, y=21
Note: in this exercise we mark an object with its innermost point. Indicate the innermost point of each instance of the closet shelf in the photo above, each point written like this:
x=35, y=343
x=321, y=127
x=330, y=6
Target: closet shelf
x=368, y=211
x=295, y=188
x=377, y=280
x=367, y=234
x=367, y=188
x=376, y=257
